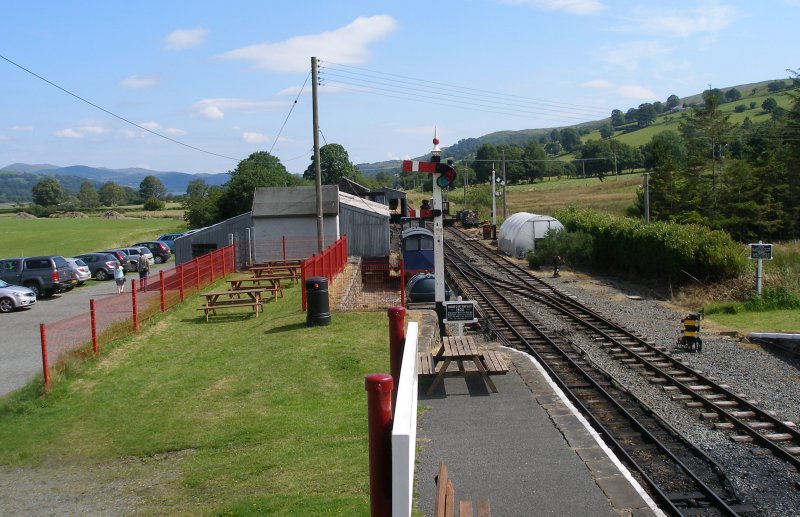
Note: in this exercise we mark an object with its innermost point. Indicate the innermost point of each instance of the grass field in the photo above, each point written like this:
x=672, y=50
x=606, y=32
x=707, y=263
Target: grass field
x=68, y=237
x=237, y=416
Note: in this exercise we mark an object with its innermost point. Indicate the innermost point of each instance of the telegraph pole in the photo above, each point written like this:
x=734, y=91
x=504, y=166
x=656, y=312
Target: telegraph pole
x=494, y=202
x=317, y=165
x=646, y=197
x=504, y=185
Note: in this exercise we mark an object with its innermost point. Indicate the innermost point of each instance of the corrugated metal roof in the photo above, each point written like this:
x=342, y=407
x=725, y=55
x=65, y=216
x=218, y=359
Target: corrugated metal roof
x=363, y=204
x=294, y=201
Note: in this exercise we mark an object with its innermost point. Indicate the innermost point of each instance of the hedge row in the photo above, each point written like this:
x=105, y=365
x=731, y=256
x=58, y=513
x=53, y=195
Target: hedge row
x=658, y=249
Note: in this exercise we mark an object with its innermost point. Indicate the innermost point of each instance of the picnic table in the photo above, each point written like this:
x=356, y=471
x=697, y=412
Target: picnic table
x=270, y=284
x=216, y=300
x=289, y=272
x=461, y=350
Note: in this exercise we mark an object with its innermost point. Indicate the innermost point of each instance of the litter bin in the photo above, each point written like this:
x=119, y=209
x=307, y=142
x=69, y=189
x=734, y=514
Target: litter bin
x=318, y=312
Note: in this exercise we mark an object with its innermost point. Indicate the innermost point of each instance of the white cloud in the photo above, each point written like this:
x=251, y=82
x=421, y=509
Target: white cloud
x=21, y=128
x=569, y=6
x=81, y=131
x=152, y=126
x=634, y=91
x=173, y=131
x=347, y=45
x=628, y=55
x=252, y=137
x=708, y=17
x=139, y=82
x=182, y=39
x=600, y=84
x=214, y=109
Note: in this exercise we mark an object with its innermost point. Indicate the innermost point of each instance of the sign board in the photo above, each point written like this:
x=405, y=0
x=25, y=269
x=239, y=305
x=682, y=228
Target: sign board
x=460, y=312
x=761, y=251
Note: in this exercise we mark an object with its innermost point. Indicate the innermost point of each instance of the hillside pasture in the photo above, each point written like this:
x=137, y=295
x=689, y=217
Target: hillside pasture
x=69, y=237
x=613, y=195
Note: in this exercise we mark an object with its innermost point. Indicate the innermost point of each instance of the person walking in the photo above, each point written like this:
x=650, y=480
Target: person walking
x=119, y=278
x=144, y=268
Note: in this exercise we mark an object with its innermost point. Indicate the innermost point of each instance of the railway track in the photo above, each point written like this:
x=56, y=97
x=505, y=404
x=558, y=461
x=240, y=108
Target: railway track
x=681, y=478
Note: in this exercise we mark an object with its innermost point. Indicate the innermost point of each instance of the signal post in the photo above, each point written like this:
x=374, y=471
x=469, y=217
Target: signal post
x=443, y=175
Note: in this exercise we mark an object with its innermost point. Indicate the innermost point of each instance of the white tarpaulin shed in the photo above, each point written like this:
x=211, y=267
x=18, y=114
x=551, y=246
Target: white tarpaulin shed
x=519, y=232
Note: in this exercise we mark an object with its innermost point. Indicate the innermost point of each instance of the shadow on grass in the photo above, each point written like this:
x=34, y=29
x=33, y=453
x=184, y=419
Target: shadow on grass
x=285, y=328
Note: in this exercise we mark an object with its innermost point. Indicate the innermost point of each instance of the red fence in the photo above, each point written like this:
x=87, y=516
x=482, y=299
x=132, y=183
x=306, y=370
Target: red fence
x=118, y=315
x=329, y=263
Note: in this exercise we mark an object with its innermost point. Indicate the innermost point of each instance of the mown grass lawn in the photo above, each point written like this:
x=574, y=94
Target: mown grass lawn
x=69, y=237
x=258, y=416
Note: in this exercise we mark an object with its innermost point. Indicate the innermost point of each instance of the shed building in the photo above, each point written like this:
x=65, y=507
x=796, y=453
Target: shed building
x=520, y=231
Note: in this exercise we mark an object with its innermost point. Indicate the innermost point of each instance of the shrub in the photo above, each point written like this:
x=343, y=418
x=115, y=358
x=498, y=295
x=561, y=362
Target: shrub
x=152, y=204
x=740, y=108
x=574, y=248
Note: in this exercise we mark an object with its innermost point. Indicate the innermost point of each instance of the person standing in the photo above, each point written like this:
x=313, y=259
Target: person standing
x=119, y=278
x=144, y=268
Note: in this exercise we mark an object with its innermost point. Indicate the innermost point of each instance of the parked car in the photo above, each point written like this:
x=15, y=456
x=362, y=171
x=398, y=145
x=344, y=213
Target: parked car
x=159, y=250
x=169, y=240
x=44, y=275
x=135, y=251
x=101, y=265
x=15, y=297
x=80, y=268
x=128, y=263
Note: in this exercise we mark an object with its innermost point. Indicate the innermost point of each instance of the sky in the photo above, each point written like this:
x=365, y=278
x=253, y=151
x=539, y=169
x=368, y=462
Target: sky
x=197, y=86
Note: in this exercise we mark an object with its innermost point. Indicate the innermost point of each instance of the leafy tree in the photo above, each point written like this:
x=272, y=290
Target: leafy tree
x=201, y=203
x=631, y=115
x=111, y=194
x=384, y=178
x=740, y=108
x=645, y=115
x=713, y=97
x=617, y=118
x=47, y=192
x=672, y=102
x=487, y=156
x=570, y=139
x=606, y=131
x=598, y=158
x=776, y=86
x=753, y=105
x=733, y=95
x=152, y=187
x=88, y=195
x=534, y=157
x=658, y=106
x=769, y=105
x=334, y=165
x=515, y=169
x=791, y=197
x=260, y=169
x=552, y=148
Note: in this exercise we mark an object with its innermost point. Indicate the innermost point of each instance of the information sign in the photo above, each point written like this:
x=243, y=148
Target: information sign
x=460, y=312
x=761, y=251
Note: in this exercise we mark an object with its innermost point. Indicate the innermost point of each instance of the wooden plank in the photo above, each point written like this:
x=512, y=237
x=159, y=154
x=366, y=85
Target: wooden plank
x=450, y=502
x=439, y=504
x=465, y=509
x=484, y=508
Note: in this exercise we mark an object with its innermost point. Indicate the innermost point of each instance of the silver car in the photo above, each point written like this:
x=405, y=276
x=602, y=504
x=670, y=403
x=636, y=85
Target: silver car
x=80, y=268
x=15, y=296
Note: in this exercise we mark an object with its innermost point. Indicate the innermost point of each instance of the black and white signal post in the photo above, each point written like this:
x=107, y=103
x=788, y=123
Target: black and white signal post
x=443, y=174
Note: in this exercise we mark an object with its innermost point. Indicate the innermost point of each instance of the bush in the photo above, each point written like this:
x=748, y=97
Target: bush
x=740, y=108
x=574, y=248
x=665, y=250
x=152, y=204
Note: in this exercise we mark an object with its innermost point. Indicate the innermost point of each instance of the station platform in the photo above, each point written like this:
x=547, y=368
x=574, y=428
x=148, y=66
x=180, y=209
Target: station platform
x=524, y=448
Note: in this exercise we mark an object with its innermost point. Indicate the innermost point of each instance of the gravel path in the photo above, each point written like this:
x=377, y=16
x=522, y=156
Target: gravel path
x=769, y=376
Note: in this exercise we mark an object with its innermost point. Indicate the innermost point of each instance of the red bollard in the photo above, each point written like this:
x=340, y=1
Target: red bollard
x=402, y=283
x=181, y=286
x=379, y=413
x=45, y=368
x=397, y=343
x=93, y=315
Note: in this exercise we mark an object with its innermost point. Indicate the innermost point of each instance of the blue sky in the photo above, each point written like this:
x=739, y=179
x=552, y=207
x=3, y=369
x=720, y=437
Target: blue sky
x=222, y=77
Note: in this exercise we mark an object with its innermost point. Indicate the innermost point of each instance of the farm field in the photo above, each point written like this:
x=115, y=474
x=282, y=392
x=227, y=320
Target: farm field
x=68, y=237
x=237, y=416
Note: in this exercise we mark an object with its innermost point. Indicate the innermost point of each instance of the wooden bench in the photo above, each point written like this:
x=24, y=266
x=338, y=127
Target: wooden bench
x=494, y=363
x=271, y=285
x=230, y=304
x=445, y=502
x=426, y=366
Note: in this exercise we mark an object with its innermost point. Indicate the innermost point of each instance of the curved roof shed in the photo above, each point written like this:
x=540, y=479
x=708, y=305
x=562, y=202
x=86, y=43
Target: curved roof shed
x=519, y=232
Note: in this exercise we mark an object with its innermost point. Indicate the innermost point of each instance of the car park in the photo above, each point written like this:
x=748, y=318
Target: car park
x=15, y=297
x=134, y=252
x=80, y=269
x=101, y=265
x=159, y=250
x=44, y=275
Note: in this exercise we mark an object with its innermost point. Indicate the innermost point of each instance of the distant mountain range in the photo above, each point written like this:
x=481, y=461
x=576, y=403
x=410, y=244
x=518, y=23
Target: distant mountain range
x=175, y=182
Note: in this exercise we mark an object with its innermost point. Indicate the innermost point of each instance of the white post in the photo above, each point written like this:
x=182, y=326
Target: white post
x=494, y=202
x=438, y=230
x=758, y=272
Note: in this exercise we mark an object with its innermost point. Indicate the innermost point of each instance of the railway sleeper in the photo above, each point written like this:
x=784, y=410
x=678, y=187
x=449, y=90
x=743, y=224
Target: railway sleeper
x=682, y=397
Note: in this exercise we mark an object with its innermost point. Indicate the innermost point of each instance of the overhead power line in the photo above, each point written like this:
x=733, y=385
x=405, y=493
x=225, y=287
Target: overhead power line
x=104, y=110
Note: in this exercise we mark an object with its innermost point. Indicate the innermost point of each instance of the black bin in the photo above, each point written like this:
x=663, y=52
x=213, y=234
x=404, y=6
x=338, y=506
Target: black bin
x=318, y=312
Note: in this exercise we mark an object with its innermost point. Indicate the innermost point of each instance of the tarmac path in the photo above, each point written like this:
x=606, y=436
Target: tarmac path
x=20, y=342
